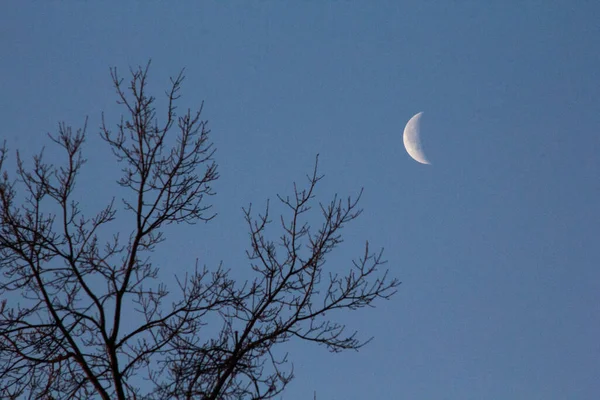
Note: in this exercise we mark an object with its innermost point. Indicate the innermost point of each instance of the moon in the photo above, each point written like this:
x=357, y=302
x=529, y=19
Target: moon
x=412, y=139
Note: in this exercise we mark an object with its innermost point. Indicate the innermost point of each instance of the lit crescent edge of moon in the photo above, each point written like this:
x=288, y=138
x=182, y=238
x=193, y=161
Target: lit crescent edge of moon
x=412, y=141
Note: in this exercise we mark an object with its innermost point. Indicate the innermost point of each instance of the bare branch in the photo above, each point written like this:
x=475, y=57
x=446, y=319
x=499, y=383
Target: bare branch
x=92, y=316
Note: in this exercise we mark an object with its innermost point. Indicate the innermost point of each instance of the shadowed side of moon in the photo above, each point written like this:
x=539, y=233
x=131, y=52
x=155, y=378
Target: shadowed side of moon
x=412, y=139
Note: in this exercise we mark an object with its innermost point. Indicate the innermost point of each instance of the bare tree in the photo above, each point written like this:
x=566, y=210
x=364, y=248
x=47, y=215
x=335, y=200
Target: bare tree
x=66, y=290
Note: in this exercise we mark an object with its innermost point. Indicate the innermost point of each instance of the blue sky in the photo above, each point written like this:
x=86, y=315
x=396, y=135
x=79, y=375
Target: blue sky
x=496, y=242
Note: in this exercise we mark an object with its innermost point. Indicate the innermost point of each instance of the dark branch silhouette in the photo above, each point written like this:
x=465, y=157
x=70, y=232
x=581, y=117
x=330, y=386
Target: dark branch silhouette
x=82, y=317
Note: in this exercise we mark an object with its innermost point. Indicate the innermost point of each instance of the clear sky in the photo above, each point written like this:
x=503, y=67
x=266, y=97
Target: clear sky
x=496, y=243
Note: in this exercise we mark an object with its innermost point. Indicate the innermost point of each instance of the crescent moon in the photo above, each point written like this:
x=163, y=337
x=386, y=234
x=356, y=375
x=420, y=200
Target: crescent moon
x=412, y=139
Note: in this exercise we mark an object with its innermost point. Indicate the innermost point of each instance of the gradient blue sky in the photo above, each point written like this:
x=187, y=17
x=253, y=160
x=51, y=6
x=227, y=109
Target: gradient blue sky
x=497, y=242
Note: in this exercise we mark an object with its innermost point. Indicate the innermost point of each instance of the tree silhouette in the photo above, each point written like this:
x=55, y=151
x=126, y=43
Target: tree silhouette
x=66, y=291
